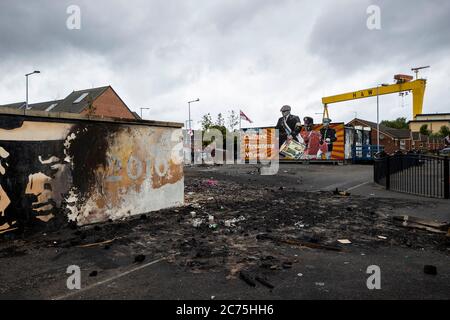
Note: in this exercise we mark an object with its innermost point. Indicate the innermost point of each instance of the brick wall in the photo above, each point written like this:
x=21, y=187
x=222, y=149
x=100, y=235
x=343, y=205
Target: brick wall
x=390, y=145
x=110, y=105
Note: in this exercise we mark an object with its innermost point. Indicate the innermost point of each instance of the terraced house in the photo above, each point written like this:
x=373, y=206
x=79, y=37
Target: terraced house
x=100, y=102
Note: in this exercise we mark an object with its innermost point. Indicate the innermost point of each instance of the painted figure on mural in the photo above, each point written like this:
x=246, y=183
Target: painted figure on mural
x=328, y=137
x=33, y=180
x=311, y=138
x=288, y=126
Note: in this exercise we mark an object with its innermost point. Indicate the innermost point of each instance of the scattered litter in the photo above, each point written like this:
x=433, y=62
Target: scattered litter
x=247, y=279
x=320, y=284
x=211, y=219
x=382, y=237
x=287, y=265
x=299, y=225
x=211, y=182
x=431, y=270
x=232, y=222
x=96, y=244
x=193, y=213
x=213, y=297
x=211, y=198
x=300, y=274
x=341, y=193
x=296, y=242
x=344, y=241
x=197, y=222
x=264, y=282
x=139, y=258
x=213, y=226
x=190, y=193
x=417, y=223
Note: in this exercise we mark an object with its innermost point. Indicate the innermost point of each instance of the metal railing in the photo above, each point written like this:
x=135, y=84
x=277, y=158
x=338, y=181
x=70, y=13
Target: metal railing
x=416, y=174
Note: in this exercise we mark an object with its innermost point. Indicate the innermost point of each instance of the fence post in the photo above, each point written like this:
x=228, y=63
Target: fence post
x=388, y=173
x=446, y=178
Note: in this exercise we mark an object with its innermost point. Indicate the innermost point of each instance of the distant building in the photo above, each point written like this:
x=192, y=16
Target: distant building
x=434, y=122
x=101, y=102
x=399, y=139
x=392, y=139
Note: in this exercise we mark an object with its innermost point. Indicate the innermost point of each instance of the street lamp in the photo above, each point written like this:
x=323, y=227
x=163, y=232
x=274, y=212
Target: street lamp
x=26, y=76
x=189, y=106
x=378, y=115
x=143, y=109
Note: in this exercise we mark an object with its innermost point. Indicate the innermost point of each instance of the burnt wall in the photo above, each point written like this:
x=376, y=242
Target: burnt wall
x=57, y=171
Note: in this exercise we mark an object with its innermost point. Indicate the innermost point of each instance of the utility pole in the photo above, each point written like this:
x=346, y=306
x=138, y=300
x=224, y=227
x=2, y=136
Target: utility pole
x=189, y=107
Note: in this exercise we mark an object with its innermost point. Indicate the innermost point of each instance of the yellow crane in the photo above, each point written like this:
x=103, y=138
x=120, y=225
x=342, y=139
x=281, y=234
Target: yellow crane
x=404, y=83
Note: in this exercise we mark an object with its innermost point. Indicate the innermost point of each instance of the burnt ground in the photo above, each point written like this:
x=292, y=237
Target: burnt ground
x=280, y=229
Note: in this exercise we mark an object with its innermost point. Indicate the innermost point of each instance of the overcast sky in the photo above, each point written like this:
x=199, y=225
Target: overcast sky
x=254, y=55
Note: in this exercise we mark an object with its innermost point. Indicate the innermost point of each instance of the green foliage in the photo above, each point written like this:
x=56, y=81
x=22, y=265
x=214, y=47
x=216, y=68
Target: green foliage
x=206, y=121
x=399, y=123
x=424, y=130
x=444, y=131
x=220, y=120
x=232, y=120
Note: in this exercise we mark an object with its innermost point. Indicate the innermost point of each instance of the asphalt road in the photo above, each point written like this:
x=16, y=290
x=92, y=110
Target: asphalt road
x=315, y=274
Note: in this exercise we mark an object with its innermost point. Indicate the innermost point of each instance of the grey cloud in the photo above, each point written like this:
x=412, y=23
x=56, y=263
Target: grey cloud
x=410, y=31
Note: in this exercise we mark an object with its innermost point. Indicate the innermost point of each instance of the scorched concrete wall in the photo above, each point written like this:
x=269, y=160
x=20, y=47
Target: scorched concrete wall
x=60, y=168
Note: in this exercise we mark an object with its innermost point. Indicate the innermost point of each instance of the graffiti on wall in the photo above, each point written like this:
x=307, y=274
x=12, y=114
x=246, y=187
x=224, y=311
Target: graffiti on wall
x=85, y=172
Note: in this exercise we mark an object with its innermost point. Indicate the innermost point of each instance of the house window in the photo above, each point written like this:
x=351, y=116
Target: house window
x=51, y=107
x=402, y=144
x=80, y=98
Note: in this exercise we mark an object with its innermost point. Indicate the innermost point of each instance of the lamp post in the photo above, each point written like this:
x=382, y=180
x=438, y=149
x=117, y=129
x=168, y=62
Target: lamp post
x=378, y=115
x=189, y=107
x=143, y=109
x=26, y=76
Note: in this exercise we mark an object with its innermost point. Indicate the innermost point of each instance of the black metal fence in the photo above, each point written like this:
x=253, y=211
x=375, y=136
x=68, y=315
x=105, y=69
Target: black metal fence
x=417, y=174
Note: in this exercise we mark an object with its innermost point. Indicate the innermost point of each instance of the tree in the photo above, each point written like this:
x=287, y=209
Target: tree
x=206, y=122
x=444, y=131
x=424, y=130
x=220, y=120
x=232, y=120
x=399, y=123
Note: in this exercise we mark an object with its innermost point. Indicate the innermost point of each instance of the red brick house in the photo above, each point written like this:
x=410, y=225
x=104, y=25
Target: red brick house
x=392, y=139
x=101, y=102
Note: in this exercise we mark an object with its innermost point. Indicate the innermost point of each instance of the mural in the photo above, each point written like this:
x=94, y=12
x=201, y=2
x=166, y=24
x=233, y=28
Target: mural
x=317, y=143
x=258, y=144
x=55, y=172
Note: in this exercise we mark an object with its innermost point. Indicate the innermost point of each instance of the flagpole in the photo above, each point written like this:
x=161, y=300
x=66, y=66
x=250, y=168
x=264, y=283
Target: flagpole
x=240, y=120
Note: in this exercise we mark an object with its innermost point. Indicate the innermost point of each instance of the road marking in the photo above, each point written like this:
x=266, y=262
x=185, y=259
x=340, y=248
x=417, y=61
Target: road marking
x=111, y=279
x=337, y=185
x=357, y=186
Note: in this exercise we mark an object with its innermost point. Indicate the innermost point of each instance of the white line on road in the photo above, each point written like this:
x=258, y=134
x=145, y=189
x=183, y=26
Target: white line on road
x=73, y=293
x=357, y=186
x=338, y=185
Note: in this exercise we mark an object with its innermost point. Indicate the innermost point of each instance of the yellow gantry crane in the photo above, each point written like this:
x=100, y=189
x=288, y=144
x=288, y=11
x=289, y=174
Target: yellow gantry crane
x=404, y=83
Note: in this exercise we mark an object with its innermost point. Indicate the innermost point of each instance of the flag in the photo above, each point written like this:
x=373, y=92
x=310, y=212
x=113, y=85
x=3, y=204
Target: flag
x=244, y=117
